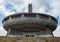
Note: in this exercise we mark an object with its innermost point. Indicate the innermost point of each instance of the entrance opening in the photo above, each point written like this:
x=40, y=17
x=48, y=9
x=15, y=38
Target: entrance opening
x=29, y=35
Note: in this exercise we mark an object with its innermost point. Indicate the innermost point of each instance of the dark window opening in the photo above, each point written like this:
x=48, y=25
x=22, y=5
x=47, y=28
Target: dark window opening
x=46, y=17
x=29, y=15
x=6, y=19
x=17, y=16
x=43, y=29
x=29, y=35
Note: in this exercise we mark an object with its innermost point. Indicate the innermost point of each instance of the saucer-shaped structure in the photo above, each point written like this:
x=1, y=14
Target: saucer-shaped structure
x=28, y=21
x=30, y=24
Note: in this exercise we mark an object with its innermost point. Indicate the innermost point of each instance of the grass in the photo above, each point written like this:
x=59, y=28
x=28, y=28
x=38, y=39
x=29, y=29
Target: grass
x=31, y=39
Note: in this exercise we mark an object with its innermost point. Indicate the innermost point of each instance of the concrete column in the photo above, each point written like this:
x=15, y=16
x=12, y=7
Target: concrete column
x=37, y=16
x=49, y=19
x=8, y=32
x=10, y=18
x=22, y=16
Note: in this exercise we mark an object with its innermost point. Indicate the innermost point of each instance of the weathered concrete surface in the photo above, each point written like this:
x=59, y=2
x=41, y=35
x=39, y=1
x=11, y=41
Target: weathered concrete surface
x=41, y=33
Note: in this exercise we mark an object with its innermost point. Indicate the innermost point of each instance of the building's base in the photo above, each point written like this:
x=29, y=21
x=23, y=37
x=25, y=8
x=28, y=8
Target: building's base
x=41, y=33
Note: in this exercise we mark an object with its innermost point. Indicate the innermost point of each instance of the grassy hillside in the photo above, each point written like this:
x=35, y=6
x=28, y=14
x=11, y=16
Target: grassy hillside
x=31, y=39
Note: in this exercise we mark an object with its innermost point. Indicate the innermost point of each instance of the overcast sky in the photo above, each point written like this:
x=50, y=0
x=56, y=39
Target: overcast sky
x=51, y=7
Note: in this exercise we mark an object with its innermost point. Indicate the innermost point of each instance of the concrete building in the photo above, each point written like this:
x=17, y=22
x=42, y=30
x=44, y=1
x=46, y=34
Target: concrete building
x=30, y=24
